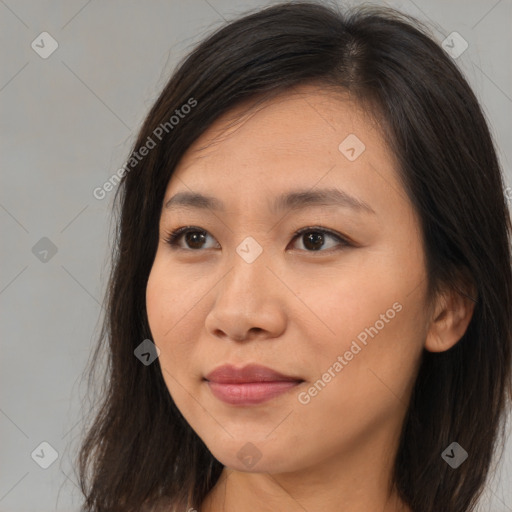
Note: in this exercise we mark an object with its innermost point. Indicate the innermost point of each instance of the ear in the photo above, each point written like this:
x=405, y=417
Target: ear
x=452, y=312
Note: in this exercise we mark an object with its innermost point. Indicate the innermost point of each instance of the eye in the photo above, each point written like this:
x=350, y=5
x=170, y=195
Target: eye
x=314, y=241
x=316, y=236
x=193, y=236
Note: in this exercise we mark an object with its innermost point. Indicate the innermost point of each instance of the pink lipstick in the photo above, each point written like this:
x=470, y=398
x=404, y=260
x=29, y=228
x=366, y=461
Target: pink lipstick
x=250, y=385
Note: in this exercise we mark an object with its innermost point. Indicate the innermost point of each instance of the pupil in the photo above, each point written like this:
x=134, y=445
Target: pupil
x=195, y=237
x=315, y=239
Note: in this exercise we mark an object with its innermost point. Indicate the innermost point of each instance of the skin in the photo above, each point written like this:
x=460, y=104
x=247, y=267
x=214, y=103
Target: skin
x=295, y=309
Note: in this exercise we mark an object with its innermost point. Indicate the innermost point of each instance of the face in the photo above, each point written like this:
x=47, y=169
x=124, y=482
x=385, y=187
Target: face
x=326, y=288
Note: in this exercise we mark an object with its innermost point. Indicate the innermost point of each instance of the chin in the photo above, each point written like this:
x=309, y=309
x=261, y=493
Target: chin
x=254, y=457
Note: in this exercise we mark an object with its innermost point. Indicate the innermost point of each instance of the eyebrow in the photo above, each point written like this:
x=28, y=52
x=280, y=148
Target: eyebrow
x=295, y=200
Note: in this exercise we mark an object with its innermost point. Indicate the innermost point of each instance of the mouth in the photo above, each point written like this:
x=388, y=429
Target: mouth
x=250, y=385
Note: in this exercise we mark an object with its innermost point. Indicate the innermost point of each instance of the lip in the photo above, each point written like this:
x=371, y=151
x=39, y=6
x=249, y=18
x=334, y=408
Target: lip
x=249, y=385
x=228, y=374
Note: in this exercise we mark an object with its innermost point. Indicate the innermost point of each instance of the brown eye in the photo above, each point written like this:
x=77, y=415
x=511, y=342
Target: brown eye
x=314, y=239
x=194, y=238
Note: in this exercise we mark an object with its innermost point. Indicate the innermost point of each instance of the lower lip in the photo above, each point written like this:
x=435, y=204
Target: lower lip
x=250, y=393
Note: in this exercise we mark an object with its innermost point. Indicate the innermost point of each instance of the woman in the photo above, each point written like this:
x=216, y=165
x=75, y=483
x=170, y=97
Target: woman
x=309, y=307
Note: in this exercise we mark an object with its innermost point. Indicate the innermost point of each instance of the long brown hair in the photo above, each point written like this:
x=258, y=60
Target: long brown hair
x=139, y=449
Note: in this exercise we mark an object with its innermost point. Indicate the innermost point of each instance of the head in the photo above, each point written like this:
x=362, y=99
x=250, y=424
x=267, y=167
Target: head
x=392, y=305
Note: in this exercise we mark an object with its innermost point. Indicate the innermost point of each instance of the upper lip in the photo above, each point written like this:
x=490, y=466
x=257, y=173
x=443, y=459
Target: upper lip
x=228, y=374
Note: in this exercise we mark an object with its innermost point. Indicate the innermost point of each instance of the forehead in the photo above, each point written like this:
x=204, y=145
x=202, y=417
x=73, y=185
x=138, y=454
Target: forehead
x=306, y=122
x=294, y=141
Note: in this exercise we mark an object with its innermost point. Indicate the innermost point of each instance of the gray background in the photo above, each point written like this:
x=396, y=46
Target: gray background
x=67, y=123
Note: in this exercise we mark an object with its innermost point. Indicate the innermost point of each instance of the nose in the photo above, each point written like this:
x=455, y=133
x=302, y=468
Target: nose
x=249, y=302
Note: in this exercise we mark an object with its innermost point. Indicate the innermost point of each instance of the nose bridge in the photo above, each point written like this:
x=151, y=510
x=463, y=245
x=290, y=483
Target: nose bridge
x=248, y=276
x=247, y=297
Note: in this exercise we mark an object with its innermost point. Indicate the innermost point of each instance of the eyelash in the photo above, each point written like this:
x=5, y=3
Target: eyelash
x=173, y=237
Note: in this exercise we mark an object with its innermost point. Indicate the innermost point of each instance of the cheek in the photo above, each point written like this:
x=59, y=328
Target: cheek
x=164, y=310
x=167, y=301
x=152, y=303
x=174, y=316
x=376, y=316
x=157, y=298
x=352, y=301
x=357, y=386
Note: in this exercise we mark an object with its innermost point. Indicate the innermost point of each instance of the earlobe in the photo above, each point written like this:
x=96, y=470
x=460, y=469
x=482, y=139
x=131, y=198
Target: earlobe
x=452, y=313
